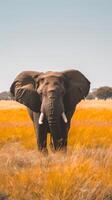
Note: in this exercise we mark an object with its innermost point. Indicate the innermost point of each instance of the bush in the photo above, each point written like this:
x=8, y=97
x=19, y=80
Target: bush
x=103, y=92
x=5, y=96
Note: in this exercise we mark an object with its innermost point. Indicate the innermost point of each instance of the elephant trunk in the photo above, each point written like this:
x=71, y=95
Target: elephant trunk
x=53, y=109
x=53, y=114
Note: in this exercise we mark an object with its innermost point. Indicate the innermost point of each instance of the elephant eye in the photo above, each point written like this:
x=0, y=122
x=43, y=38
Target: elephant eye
x=42, y=80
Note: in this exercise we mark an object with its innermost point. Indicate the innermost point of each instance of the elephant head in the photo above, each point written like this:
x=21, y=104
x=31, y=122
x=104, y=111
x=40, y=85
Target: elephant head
x=52, y=94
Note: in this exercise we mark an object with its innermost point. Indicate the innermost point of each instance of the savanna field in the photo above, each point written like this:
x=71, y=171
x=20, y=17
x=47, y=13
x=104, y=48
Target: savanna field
x=84, y=173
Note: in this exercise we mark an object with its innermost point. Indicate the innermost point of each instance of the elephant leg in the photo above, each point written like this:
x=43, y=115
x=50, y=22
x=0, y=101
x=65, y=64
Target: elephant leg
x=56, y=138
x=51, y=143
x=58, y=141
x=30, y=112
x=41, y=134
x=42, y=138
x=65, y=129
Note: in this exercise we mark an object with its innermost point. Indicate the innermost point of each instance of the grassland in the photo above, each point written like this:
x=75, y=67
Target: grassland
x=85, y=173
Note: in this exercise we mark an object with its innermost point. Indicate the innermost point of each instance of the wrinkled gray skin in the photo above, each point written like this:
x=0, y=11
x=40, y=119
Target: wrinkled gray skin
x=50, y=93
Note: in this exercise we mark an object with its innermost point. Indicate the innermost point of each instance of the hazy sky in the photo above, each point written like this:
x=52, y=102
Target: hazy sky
x=56, y=35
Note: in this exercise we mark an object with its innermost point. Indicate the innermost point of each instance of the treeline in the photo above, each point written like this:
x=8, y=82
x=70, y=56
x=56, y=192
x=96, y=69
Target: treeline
x=5, y=95
x=98, y=93
x=101, y=93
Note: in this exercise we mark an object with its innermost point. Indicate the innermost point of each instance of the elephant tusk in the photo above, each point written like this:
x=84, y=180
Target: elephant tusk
x=41, y=118
x=64, y=117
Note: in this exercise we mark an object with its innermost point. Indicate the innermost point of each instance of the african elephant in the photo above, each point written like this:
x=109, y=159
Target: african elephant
x=51, y=99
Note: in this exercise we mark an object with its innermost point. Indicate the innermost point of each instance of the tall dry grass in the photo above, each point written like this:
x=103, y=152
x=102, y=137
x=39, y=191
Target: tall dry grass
x=85, y=173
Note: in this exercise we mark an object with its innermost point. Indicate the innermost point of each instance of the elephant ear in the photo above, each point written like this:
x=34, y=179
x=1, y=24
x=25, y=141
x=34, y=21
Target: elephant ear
x=77, y=88
x=23, y=90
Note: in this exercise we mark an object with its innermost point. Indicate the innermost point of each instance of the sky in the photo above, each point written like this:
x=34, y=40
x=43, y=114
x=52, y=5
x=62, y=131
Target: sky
x=56, y=35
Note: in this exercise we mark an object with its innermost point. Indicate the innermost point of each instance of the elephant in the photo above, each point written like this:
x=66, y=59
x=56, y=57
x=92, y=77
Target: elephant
x=51, y=98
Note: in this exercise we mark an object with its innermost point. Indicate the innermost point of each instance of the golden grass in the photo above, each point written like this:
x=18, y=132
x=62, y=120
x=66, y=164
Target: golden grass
x=85, y=173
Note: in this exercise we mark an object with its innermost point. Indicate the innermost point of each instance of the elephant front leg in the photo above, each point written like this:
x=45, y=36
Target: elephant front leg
x=41, y=134
x=42, y=139
x=59, y=142
x=51, y=144
x=64, y=137
x=65, y=129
